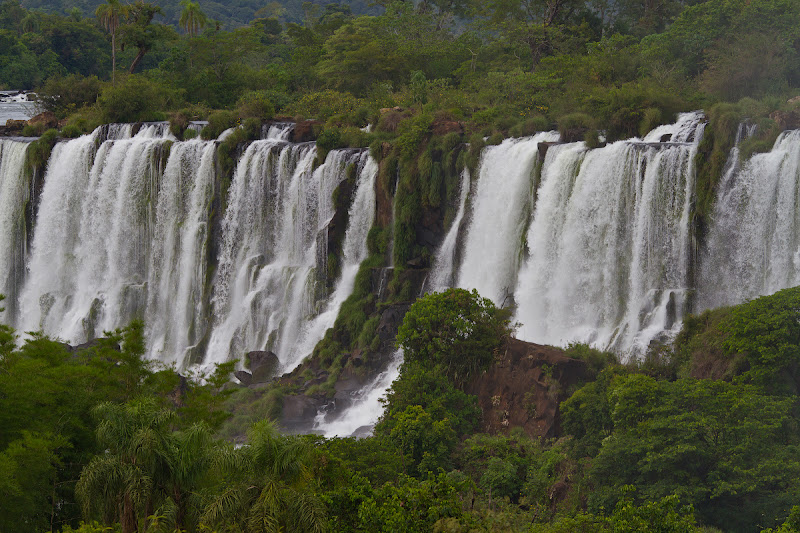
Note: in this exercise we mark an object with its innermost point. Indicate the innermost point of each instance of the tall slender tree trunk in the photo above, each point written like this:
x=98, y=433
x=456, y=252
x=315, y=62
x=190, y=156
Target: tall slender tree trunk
x=129, y=522
x=137, y=59
x=113, y=57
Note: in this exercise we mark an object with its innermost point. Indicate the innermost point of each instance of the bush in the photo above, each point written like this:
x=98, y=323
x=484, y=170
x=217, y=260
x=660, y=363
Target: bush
x=255, y=104
x=218, y=122
x=136, y=99
x=325, y=104
x=591, y=138
x=33, y=130
x=71, y=131
x=64, y=95
x=573, y=127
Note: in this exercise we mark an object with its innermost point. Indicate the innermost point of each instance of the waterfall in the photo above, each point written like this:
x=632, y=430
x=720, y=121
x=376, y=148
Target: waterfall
x=280, y=131
x=499, y=214
x=124, y=231
x=264, y=292
x=176, y=308
x=588, y=245
x=354, y=251
x=361, y=417
x=88, y=264
x=14, y=193
x=441, y=276
x=609, y=243
x=753, y=241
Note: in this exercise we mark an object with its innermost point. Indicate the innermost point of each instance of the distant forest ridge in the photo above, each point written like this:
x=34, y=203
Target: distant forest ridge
x=230, y=13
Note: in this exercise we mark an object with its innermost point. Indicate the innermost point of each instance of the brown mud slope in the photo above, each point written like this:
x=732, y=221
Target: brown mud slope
x=524, y=386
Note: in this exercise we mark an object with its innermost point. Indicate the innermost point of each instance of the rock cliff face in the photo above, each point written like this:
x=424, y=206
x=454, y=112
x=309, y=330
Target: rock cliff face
x=524, y=386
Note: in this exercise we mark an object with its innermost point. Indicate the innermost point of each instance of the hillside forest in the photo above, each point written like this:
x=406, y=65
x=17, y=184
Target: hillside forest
x=700, y=434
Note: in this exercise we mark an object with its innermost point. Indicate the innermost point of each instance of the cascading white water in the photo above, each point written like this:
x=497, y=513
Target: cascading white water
x=264, y=291
x=14, y=193
x=88, y=263
x=155, y=130
x=361, y=417
x=51, y=266
x=176, y=307
x=609, y=242
x=114, y=132
x=256, y=267
x=500, y=207
x=442, y=273
x=753, y=244
x=354, y=251
x=122, y=235
x=277, y=132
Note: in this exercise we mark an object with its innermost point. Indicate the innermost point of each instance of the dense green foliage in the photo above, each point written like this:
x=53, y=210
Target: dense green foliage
x=100, y=434
x=456, y=331
x=500, y=66
x=47, y=395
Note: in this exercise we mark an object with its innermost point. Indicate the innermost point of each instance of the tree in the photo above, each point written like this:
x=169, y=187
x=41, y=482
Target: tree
x=268, y=486
x=121, y=482
x=192, y=18
x=28, y=476
x=110, y=15
x=140, y=32
x=727, y=449
x=456, y=329
x=537, y=23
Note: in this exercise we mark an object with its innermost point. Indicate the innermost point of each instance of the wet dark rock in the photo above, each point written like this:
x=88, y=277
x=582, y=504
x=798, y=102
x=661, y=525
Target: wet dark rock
x=544, y=146
x=786, y=120
x=15, y=125
x=246, y=378
x=391, y=318
x=263, y=365
x=89, y=345
x=417, y=262
x=305, y=131
x=443, y=127
x=298, y=411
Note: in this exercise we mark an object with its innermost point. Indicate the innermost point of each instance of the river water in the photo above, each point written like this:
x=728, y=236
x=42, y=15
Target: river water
x=16, y=111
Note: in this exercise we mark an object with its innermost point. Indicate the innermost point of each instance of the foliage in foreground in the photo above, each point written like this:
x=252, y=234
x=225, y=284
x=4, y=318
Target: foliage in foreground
x=642, y=450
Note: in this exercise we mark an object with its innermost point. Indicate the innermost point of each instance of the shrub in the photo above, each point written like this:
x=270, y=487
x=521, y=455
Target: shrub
x=591, y=138
x=255, y=104
x=136, y=99
x=64, y=95
x=573, y=127
x=33, y=130
x=652, y=118
x=71, y=131
x=324, y=104
x=218, y=122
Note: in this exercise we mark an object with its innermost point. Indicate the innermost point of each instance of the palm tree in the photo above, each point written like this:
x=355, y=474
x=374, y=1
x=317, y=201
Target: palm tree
x=192, y=18
x=109, y=15
x=269, y=487
x=121, y=482
x=192, y=458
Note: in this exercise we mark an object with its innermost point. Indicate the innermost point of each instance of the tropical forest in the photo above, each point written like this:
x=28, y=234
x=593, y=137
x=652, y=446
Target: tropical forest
x=387, y=266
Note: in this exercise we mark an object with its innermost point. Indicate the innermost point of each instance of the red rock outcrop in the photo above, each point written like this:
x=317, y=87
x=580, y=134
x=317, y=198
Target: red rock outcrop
x=524, y=386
